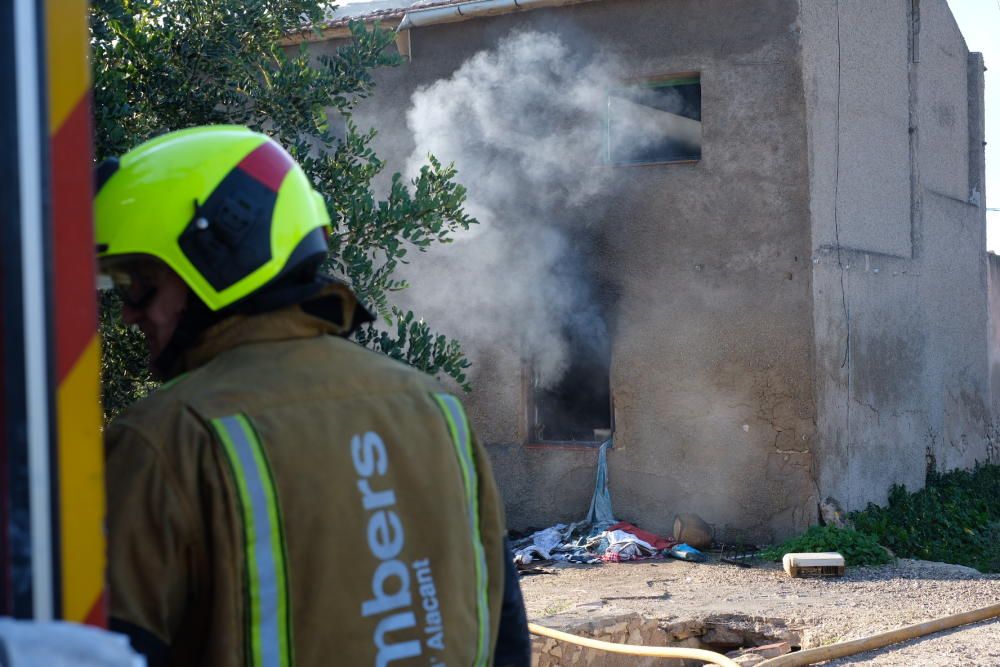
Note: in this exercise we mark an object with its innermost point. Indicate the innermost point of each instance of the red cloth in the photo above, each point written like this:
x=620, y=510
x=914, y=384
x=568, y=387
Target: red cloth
x=655, y=540
x=615, y=557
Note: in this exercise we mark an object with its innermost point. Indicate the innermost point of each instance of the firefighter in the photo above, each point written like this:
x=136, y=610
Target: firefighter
x=286, y=497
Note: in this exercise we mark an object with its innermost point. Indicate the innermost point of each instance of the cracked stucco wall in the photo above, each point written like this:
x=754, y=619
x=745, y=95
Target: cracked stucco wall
x=993, y=266
x=902, y=349
x=712, y=320
x=737, y=393
x=712, y=369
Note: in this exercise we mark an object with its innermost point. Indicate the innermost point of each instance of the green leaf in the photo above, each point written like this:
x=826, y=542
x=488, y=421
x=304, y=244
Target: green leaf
x=165, y=65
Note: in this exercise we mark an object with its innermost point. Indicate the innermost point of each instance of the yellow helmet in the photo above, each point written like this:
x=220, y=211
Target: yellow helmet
x=226, y=208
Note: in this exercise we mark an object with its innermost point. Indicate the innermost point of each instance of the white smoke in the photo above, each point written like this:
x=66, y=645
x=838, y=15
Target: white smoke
x=524, y=126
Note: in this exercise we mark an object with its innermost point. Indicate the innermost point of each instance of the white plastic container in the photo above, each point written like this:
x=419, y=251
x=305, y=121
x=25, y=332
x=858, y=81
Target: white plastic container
x=827, y=564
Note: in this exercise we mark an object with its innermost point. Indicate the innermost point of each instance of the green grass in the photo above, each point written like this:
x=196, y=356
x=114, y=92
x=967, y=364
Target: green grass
x=955, y=518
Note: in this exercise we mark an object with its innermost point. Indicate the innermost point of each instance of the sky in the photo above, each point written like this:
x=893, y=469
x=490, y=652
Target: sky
x=979, y=21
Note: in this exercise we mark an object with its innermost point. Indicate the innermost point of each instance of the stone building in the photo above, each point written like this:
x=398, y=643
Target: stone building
x=793, y=274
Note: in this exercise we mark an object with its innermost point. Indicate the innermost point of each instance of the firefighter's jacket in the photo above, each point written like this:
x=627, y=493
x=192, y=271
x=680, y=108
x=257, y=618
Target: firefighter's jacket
x=296, y=499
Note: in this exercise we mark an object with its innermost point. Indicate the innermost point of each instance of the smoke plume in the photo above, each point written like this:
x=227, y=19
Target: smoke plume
x=524, y=125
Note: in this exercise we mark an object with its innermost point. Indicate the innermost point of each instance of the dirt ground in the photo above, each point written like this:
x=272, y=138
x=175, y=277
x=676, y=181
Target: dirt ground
x=813, y=612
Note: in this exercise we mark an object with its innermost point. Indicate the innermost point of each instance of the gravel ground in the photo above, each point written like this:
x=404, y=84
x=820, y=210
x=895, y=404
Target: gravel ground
x=863, y=602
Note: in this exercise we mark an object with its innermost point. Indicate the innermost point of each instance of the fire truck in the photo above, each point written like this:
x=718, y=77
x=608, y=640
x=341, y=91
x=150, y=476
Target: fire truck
x=51, y=478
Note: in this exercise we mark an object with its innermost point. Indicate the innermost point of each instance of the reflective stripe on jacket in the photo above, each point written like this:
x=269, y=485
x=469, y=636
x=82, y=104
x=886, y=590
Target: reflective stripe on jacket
x=297, y=499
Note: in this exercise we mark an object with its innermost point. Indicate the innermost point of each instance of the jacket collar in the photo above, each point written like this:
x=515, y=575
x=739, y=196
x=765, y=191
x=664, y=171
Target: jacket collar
x=334, y=311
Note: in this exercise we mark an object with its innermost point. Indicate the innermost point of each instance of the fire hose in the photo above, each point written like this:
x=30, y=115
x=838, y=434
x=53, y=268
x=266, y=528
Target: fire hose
x=841, y=649
x=710, y=657
x=797, y=659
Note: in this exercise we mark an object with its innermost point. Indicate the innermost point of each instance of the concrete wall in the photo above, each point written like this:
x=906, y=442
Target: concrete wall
x=712, y=336
x=902, y=344
x=993, y=266
x=803, y=312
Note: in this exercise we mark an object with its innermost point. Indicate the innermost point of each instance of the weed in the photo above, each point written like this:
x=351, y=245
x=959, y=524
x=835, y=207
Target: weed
x=856, y=548
x=954, y=519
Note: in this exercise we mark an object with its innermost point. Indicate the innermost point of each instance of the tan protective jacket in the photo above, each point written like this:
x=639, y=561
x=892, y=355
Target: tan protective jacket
x=297, y=499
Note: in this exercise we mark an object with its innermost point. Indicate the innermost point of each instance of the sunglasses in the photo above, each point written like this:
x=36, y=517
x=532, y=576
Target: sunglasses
x=136, y=289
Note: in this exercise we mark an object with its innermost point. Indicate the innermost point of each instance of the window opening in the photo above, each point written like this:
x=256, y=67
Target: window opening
x=577, y=408
x=655, y=122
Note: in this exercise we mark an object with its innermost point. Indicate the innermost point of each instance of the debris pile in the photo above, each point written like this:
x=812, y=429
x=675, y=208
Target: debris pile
x=584, y=542
x=599, y=538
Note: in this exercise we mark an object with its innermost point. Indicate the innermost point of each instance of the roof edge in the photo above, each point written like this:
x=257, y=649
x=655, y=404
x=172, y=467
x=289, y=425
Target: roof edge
x=418, y=18
x=338, y=31
x=437, y=13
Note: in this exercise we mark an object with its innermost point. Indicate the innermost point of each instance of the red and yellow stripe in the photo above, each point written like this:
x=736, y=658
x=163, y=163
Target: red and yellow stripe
x=80, y=462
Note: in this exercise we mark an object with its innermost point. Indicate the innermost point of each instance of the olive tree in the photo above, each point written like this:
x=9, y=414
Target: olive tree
x=161, y=65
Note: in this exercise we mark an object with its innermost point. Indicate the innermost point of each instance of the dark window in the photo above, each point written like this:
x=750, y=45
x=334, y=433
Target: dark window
x=576, y=409
x=656, y=121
